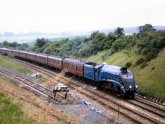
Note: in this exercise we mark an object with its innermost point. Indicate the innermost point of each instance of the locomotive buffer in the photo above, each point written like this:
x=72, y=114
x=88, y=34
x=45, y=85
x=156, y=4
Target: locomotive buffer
x=60, y=88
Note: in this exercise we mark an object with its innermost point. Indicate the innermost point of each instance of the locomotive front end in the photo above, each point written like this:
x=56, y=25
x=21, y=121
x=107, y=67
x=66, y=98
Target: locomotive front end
x=128, y=81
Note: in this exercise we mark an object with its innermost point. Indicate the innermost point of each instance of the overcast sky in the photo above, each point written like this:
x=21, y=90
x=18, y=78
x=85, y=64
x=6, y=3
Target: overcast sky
x=78, y=15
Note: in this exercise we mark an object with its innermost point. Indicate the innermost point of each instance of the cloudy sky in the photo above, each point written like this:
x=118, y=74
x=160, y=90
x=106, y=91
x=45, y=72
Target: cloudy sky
x=78, y=15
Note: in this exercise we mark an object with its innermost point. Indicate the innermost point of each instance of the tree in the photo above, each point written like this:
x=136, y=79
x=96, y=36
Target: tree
x=94, y=34
x=119, y=32
x=23, y=46
x=150, y=43
x=118, y=45
x=98, y=39
x=14, y=45
x=5, y=44
x=146, y=27
x=41, y=42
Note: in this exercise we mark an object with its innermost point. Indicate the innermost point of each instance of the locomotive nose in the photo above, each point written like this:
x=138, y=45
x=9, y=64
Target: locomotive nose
x=131, y=88
x=136, y=88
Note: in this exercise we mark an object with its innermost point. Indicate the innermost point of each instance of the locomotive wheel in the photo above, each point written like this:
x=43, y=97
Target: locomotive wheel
x=112, y=89
x=118, y=89
x=127, y=95
x=132, y=95
x=101, y=85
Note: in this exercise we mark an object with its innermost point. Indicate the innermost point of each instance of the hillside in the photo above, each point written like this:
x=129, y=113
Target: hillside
x=151, y=79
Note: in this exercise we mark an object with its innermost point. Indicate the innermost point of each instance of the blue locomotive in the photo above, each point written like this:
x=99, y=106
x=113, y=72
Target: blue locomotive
x=118, y=79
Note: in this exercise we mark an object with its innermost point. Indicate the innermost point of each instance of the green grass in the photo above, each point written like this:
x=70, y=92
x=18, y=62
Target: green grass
x=42, y=79
x=10, y=113
x=151, y=79
x=9, y=63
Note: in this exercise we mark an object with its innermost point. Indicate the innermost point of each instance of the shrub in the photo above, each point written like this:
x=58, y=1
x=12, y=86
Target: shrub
x=153, y=68
x=139, y=61
x=143, y=65
x=128, y=64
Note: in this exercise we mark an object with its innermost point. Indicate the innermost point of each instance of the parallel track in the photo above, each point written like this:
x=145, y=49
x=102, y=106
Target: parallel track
x=131, y=109
x=35, y=87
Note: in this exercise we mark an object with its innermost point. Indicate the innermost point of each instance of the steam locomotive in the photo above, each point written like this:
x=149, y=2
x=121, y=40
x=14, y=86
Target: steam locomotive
x=114, y=78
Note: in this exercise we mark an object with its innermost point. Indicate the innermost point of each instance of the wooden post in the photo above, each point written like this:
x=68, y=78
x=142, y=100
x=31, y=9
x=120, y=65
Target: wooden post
x=54, y=94
x=118, y=113
x=66, y=94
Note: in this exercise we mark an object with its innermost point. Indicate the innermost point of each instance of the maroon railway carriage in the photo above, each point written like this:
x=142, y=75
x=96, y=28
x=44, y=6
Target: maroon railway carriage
x=11, y=52
x=55, y=62
x=41, y=58
x=16, y=53
x=73, y=66
x=3, y=51
x=31, y=56
x=21, y=54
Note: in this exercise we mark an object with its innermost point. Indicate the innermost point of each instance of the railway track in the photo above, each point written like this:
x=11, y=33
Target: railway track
x=149, y=102
x=31, y=83
x=150, y=106
x=139, y=110
x=35, y=87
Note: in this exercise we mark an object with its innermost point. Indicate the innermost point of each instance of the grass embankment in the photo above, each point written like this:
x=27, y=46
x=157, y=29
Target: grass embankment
x=9, y=63
x=10, y=113
x=151, y=78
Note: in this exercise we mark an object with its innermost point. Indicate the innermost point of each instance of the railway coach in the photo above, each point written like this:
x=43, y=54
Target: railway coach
x=3, y=51
x=73, y=66
x=55, y=62
x=31, y=56
x=41, y=58
x=11, y=52
x=21, y=54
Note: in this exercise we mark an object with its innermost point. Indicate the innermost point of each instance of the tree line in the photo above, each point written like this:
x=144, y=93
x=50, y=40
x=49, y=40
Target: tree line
x=148, y=42
x=14, y=45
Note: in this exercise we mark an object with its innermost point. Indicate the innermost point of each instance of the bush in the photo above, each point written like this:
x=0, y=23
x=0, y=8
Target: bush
x=139, y=61
x=150, y=43
x=143, y=65
x=153, y=68
x=118, y=45
x=128, y=64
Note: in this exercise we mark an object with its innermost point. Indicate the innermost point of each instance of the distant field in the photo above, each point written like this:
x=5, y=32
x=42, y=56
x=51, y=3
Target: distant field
x=27, y=39
x=9, y=63
x=19, y=39
x=151, y=79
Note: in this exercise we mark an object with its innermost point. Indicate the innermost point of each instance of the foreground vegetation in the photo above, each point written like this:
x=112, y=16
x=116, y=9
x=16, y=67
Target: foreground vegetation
x=9, y=63
x=10, y=112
